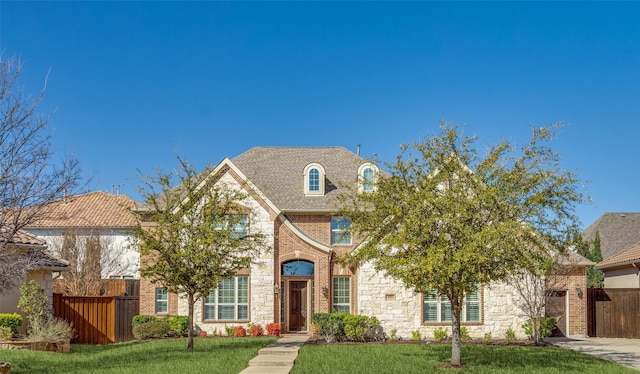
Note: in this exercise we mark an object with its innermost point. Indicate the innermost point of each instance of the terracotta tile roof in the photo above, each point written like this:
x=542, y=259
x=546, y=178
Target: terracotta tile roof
x=278, y=173
x=90, y=210
x=21, y=237
x=630, y=255
x=618, y=231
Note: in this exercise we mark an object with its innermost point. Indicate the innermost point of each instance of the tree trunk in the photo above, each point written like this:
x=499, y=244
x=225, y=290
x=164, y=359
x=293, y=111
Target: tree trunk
x=190, y=323
x=456, y=344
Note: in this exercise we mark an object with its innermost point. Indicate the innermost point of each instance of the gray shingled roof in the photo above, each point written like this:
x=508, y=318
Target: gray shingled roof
x=618, y=231
x=278, y=173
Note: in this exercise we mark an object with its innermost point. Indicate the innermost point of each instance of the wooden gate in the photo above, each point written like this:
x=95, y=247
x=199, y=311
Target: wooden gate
x=98, y=319
x=613, y=312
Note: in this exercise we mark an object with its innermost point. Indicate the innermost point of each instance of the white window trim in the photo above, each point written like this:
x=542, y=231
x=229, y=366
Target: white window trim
x=235, y=303
x=321, y=180
x=340, y=231
x=333, y=299
x=361, y=169
x=164, y=301
x=440, y=299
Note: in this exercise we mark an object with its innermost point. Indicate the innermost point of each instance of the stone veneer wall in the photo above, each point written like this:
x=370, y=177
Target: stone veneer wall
x=261, y=279
x=401, y=309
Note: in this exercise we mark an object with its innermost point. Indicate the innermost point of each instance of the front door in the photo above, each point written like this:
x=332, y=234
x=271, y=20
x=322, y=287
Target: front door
x=298, y=306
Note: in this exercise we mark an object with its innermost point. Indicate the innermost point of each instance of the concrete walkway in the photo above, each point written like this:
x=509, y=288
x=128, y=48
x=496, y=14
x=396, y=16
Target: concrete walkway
x=277, y=358
x=622, y=351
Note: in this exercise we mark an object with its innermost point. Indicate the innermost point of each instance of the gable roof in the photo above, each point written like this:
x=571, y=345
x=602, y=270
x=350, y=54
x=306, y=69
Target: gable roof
x=618, y=231
x=628, y=256
x=278, y=173
x=90, y=210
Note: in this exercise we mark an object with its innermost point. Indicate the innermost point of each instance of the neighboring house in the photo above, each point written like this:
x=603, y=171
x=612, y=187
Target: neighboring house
x=42, y=265
x=622, y=269
x=618, y=231
x=75, y=222
x=292, y=192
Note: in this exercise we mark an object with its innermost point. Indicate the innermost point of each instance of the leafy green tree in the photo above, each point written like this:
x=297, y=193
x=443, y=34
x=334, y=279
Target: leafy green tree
x=195, y=235
x=595, y=277
x=444, y=220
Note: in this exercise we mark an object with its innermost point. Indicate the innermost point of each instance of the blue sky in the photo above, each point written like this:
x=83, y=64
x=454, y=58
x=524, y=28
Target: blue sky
x=133, y=83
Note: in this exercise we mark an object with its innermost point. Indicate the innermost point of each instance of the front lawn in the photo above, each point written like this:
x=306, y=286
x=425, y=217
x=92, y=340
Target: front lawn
x=426, y=358
x=210, y=355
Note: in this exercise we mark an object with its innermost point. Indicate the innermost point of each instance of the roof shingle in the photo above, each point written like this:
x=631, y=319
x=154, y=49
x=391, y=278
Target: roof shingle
x=618, y=231
x=90, y=210
x=278, y=173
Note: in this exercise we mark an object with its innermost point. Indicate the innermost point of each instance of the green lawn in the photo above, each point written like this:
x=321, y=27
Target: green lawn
x=427, y=358
x=210, y=355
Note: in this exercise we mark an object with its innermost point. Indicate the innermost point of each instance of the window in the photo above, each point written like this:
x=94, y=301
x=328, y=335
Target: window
x=230, y=301
x=438, y=308
x=162, y=301
x=341, y=294
x=314, y=180
x=341, y=230
x=237, y=224
x=367, y=177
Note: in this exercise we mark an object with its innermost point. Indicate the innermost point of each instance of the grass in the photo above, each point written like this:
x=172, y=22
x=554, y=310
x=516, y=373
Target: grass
x=210, y=355
x=426, y=358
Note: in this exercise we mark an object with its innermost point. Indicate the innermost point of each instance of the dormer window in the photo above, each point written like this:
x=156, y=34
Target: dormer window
x=367, y=174
x=314, y=180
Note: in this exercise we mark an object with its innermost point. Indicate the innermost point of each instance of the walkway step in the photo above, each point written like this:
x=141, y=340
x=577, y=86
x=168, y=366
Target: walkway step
x=278, y=357
x=274, y=360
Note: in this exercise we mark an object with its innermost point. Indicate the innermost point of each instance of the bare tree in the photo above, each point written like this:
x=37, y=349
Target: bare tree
x=29, y=175
x=92, y=257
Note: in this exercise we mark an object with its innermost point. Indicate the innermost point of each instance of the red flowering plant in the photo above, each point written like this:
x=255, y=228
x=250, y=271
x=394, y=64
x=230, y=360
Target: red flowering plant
x=274, y=329
x=239, y=332
x=256, y=330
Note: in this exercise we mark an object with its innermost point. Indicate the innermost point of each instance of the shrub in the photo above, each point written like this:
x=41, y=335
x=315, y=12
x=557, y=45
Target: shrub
x=440, y=334
x=151, y=330
x=5, y=333
x=486, y=337
x=140, y=319
x=178, y=324
x=256, y=330
x=202, y=334
x=394, y=334
x=274, y=329
x=546, y=325
x=510, y=334
x=11, y=320
x=239, y=332
x=356, y=327
x=331, y=325
x=228, y=330
x=464, y=334
x=52, y=331
x=34, y=303
x=415, y=335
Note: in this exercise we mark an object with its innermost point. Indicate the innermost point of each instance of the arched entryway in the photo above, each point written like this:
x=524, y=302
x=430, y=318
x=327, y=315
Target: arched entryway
x=297, y=288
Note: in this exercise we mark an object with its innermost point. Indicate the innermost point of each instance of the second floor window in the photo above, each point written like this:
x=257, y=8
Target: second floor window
x=341, y=230
x=314, y=180
x=237, y=224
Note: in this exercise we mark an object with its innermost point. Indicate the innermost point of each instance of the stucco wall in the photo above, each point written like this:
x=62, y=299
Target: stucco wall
x=622, y=278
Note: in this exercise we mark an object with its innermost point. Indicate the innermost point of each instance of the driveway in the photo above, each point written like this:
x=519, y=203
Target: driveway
x=623, y=351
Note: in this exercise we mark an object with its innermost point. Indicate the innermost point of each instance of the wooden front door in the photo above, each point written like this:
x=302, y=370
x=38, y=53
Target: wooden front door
x=298, y=306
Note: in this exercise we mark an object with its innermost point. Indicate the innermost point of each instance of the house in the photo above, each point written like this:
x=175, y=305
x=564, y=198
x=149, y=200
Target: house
x=40, y=264
x=74, y=223
x=622, y=269
x=617, y=231
x=292, y=192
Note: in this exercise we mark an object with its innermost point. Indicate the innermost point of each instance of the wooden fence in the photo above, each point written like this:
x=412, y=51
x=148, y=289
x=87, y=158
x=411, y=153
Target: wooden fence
x=613, y=312
x=98, y=319
x=108, y=287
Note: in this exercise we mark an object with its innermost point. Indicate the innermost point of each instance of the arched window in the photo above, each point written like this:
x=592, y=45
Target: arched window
x=314, y=180
x=367, y=174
